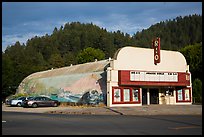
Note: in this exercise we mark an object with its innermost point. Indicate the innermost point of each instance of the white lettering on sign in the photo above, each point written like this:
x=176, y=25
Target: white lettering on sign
x=156, y=43
x=156, y=57
x=156, y=47
x=154, y=76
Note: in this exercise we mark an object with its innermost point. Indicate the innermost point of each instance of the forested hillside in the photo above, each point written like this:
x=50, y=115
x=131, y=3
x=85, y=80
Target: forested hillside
x=175, y=34
x=71, y=43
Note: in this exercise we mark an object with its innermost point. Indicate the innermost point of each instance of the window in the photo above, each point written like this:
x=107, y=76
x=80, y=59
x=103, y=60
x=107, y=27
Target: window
x=180, y=95
x=183, y=95
x=126, y=95
x=187, y=95
x=117, y=95
x=135, y=94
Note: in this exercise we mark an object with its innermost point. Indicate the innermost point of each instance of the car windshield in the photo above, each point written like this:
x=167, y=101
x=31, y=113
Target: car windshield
x=29, y=98
x=21, y=98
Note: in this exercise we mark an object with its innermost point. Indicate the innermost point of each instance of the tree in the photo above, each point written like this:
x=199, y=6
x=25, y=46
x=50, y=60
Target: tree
x=55, y=30
x=69, y=59
x=56, y=61
x=16, y=54
x=193, y=55
x=174, y=34
x=7, y=76
x=197, y=90
x=90, y=54
x=34, y=60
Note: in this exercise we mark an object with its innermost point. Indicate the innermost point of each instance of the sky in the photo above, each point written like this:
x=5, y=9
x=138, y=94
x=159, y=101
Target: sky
x=23, y=20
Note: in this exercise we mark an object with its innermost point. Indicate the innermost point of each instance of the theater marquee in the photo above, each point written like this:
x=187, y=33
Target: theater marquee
x=153, y=78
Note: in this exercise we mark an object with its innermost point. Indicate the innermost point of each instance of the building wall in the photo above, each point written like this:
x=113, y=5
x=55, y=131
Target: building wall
x=84, y=83
x=130, y=59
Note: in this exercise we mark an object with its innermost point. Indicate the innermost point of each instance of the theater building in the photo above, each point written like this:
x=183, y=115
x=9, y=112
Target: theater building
x=144, y=76
x=133, y=77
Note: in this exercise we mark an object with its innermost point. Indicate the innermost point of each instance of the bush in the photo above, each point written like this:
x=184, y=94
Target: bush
x=197, y=91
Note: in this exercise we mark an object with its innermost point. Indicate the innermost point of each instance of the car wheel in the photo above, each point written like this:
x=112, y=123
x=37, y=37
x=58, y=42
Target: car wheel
x=18, y=104
x=34, y=105
x=55, y=104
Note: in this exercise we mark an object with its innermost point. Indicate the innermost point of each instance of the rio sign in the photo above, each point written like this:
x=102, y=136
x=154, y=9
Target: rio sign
x=156, y=47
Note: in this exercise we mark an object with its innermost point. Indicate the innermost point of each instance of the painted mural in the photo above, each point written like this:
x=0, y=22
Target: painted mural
x=71, y=84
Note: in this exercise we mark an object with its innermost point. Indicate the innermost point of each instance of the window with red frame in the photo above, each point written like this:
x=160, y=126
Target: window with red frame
x=116, y=95
x=125, y=95
x=183, y=95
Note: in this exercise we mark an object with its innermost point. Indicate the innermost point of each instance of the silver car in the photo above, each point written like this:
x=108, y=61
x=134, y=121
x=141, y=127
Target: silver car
x=17, y=101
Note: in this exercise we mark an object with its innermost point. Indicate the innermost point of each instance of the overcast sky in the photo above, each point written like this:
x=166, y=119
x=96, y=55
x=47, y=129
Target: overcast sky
x=24, y=20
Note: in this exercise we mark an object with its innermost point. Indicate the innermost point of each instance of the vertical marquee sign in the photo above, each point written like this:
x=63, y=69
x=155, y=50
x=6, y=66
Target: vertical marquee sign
x=156, y=47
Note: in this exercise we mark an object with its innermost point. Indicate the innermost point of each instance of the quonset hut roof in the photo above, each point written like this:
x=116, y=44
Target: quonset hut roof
x=76, y=79
x=96, y=66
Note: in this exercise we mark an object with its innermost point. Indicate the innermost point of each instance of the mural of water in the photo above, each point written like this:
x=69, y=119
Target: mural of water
x=84, y=83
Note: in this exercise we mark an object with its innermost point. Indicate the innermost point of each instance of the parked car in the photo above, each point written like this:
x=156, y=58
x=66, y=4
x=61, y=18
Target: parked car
x=27, y=98
x=17, y=101
x=40, y=102
x=8, y=100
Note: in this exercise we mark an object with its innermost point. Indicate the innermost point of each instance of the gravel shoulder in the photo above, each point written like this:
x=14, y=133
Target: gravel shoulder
x=103, y=110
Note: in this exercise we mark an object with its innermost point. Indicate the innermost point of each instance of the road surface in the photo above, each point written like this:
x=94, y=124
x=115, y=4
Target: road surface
x=20, y=123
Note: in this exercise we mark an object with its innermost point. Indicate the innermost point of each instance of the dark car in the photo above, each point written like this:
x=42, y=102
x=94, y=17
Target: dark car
x=27, y=98
x=40, y=102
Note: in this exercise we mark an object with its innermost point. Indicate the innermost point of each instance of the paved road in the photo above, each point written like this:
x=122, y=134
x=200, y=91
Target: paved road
x=20, y=123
